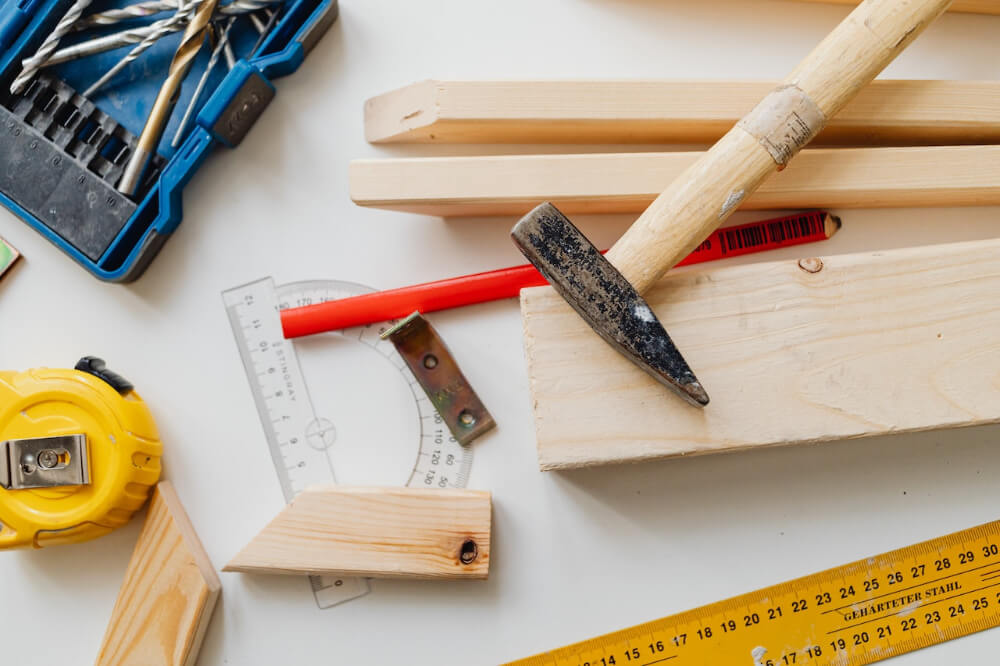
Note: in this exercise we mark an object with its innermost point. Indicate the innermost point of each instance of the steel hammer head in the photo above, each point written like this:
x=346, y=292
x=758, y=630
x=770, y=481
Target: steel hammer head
x=604, y=298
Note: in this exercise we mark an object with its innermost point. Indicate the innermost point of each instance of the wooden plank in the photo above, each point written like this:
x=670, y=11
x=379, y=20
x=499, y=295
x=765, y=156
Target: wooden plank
x=887, y=112
x=969, y=6
x=168, y=595
x=375, y=532
x=628, y=182
x=870, y=344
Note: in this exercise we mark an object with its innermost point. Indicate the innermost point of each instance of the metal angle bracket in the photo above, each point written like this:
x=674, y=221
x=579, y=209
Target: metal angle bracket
x=449, y=391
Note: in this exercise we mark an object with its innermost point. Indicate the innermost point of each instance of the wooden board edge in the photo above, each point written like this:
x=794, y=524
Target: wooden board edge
x=961, y=6
x=403, y=114
x=213, y=584
x=169, y=495
x=478, y=574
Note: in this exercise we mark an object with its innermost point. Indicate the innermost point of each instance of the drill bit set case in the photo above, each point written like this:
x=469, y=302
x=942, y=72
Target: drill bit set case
x=65, y=148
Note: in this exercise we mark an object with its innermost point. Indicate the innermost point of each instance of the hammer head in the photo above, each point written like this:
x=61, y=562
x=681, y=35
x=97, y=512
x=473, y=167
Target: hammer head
x=604, y=298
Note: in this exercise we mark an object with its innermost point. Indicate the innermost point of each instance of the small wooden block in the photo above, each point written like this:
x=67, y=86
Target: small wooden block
x=790, y=352
x=376, y=532
x=628, y=182
x=169, y=592
x=886, y=112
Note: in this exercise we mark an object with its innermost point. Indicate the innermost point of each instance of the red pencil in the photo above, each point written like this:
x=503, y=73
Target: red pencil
x=508, y=282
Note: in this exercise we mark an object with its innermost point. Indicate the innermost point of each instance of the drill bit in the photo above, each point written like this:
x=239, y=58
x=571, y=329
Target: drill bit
x=138, y=34
x=152, y=7
x=126, y=13
x=223, y=41
x=271, y=21
x=194, y=37
x=162, y=27
x=30, y=66
x=258, y=25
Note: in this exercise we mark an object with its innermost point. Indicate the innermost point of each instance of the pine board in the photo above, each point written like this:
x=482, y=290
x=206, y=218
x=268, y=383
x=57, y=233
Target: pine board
x=628, y=182
x=887, y=112
x=376, y=532
x=168, y=595
x=873, y=343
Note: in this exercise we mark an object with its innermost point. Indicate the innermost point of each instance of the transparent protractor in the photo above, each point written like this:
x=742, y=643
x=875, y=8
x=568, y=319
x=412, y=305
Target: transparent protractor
x=372, y=418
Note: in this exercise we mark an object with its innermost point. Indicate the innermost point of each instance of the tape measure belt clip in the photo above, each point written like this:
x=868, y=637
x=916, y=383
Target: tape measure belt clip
x=44, y=462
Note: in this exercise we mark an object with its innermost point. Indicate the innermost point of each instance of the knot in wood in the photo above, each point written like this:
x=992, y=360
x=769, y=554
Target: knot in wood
x=469, y=552
x=811, y=264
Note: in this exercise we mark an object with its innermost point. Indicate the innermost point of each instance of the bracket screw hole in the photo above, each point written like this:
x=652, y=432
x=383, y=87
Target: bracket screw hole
x=430, y=361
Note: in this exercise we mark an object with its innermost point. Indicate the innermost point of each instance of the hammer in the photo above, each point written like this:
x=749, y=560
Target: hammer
x=605, y=290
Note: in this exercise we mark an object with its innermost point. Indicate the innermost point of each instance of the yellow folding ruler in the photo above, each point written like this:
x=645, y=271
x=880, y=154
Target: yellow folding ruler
x=854, y=614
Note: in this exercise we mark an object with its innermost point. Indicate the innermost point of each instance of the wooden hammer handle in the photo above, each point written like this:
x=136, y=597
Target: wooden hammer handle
x=702, y=197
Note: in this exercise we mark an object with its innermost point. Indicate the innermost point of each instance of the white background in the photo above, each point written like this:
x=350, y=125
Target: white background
x=575, y=554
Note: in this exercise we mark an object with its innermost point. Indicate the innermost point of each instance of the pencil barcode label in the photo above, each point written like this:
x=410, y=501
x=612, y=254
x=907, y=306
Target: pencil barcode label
x=759, y=236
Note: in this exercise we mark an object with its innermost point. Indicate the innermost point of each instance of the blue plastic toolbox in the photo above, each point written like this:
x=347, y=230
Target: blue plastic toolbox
x=62, y=154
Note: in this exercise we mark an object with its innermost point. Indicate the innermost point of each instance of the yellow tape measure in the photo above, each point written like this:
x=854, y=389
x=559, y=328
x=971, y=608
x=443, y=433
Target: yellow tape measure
x=854, y=614
x=79, y=453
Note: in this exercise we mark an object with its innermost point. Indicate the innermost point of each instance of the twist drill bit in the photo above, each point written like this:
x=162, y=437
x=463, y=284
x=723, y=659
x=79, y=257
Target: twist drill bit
x=105, y=43
x=126, y=13
x=258, y=25
x=162, y=27
x=136, y=35
x=194, y=37
x=227, y=51
x=30, y=66
x=213, y=59
x=272, y=20
x=153, y=7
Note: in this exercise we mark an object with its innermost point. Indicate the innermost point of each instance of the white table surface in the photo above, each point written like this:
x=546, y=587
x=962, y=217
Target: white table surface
x=575, y=554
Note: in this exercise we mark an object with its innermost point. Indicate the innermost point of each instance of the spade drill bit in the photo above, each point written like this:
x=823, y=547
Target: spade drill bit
x=194, y=37
x=162, y=27
x=30, y=66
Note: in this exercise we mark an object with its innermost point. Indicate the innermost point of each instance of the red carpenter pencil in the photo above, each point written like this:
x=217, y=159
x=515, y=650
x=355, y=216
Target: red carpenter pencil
x=508, y=282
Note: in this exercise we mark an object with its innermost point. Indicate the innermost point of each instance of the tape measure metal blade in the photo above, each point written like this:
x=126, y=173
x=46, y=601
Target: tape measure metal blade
x=856, y=614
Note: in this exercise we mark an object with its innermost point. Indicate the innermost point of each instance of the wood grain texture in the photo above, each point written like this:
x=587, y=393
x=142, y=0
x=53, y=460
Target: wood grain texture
x=170, y=590
x=628, y=182
x=376, y=532
x=872, y=343
x=968, y=6
x=706, y=193
x=889, y=112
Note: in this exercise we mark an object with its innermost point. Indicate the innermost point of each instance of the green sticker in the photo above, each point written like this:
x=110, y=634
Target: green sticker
x=8, y=255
